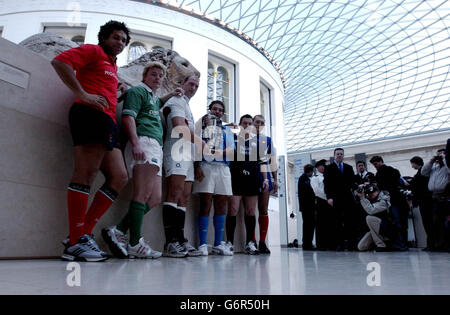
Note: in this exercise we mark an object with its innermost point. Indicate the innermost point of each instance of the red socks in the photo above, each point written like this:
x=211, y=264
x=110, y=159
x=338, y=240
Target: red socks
x=263, y=221
x=81, y=223
x=103, y=199
x=77, y=201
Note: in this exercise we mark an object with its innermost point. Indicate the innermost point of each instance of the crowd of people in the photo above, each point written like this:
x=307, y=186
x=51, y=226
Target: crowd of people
x=366, y=211
x=221, y=166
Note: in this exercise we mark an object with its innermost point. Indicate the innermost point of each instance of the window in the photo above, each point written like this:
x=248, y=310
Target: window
x=136, y=50
x=143, y=43
x=75, y=34
x=221, y=84
x=78, y=39
x=266, y=106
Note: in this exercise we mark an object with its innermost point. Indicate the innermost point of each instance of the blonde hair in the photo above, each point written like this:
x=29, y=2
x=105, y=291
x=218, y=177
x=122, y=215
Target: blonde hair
x=153, y=64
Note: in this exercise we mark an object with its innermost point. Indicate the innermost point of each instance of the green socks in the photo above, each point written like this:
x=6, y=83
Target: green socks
x=124, y=225
x=133, y=221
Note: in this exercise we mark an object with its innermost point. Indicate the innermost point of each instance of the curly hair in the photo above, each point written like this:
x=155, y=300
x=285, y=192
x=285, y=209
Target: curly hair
x=107, y=29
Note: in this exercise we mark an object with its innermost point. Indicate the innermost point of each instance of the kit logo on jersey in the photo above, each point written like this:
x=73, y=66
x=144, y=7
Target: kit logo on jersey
x=112, y=74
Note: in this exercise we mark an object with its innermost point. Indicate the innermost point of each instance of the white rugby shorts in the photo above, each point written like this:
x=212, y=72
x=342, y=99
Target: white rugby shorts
x=153, y=154
x=217, y=179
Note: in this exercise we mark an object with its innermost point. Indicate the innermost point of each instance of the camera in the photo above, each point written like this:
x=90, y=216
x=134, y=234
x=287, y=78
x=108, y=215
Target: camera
x=438, y=158
x=366, y=188
x=407, y=194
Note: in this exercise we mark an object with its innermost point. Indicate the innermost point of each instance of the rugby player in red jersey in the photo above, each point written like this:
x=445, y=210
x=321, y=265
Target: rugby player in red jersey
x=90, y=72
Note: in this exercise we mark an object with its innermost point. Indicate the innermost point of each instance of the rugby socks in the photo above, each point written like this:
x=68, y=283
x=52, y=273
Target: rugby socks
x=263, y=221
x=250, y=225
x=103, y=199
x=230, y=227
x=203, y=223
x=124, y=225
x=77, y=201
x=181, y=217
x=169, y=220
x=219, y=224
x=136, y=217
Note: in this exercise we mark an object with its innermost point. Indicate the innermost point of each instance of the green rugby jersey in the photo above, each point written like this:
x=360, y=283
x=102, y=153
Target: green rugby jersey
x=141, y=103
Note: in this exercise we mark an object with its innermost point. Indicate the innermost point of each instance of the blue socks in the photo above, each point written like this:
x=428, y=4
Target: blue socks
x=219, y=226
x=203, y=223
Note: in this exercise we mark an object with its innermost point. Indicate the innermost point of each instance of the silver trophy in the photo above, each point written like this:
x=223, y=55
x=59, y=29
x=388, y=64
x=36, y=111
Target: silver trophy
x=212, y=132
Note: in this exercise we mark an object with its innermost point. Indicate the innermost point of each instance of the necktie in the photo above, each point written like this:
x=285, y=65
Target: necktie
x=341, y=168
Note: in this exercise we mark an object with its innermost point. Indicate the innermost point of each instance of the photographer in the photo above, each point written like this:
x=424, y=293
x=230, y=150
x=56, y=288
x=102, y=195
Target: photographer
x=384, y=230
x=376, y=204
x=438, y=172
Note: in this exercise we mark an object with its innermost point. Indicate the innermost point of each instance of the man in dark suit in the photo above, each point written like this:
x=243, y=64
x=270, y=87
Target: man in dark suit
x=339, y=182
x=362, y=175
x=307, y=202
x=422, y=198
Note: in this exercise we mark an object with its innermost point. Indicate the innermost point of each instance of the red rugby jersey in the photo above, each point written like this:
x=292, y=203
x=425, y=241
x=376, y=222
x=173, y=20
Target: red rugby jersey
x=96, y=71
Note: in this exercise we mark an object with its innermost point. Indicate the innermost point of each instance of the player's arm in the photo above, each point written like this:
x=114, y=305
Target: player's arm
x=129, y=126
x=130, y=111
x=180, y=124
x=67, y=75
x=263, y=169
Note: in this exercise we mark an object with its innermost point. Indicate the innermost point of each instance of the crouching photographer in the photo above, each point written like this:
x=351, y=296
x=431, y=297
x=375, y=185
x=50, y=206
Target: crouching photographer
x=384, y=233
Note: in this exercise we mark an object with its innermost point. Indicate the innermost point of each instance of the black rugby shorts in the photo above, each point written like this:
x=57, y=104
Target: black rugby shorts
x=91, y=126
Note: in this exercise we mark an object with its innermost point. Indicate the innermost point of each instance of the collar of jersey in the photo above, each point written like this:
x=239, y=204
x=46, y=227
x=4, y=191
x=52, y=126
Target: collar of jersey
x=145, y=86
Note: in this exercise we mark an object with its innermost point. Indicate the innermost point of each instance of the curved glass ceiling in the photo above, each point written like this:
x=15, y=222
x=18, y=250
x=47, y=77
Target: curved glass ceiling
x=355, y=71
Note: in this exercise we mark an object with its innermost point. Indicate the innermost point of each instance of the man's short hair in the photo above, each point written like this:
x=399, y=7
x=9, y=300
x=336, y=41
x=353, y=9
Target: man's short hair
x=321, y=162
x=217, y=102
x=417, y=160
x=308, y=168
x=107, y=29
x=376, y=158
x=186, y=78
x=360, y=162
x=337, y=149
x=260, y=116
x=245, y=116
x=442, y=150
x=153, y=64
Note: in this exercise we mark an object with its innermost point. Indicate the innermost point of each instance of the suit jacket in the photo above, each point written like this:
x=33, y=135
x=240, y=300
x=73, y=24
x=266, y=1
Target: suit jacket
x=388, y=179
x=369, y=177
x=419, y=188
x=306, y=196
x=338, y=185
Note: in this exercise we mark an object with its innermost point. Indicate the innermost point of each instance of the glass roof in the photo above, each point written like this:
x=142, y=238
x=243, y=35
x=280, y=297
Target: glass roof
x=355, y=71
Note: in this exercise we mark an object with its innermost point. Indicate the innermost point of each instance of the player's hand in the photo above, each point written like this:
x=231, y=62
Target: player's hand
x=96, y=100
x=178, y=92
x=199, y=174
x=275, y=186
x=138, y=153
x=122, y=87
x=330, y=202
x=265, y=185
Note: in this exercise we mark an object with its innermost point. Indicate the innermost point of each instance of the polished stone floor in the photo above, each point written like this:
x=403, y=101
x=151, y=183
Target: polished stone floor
x=287, y=271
